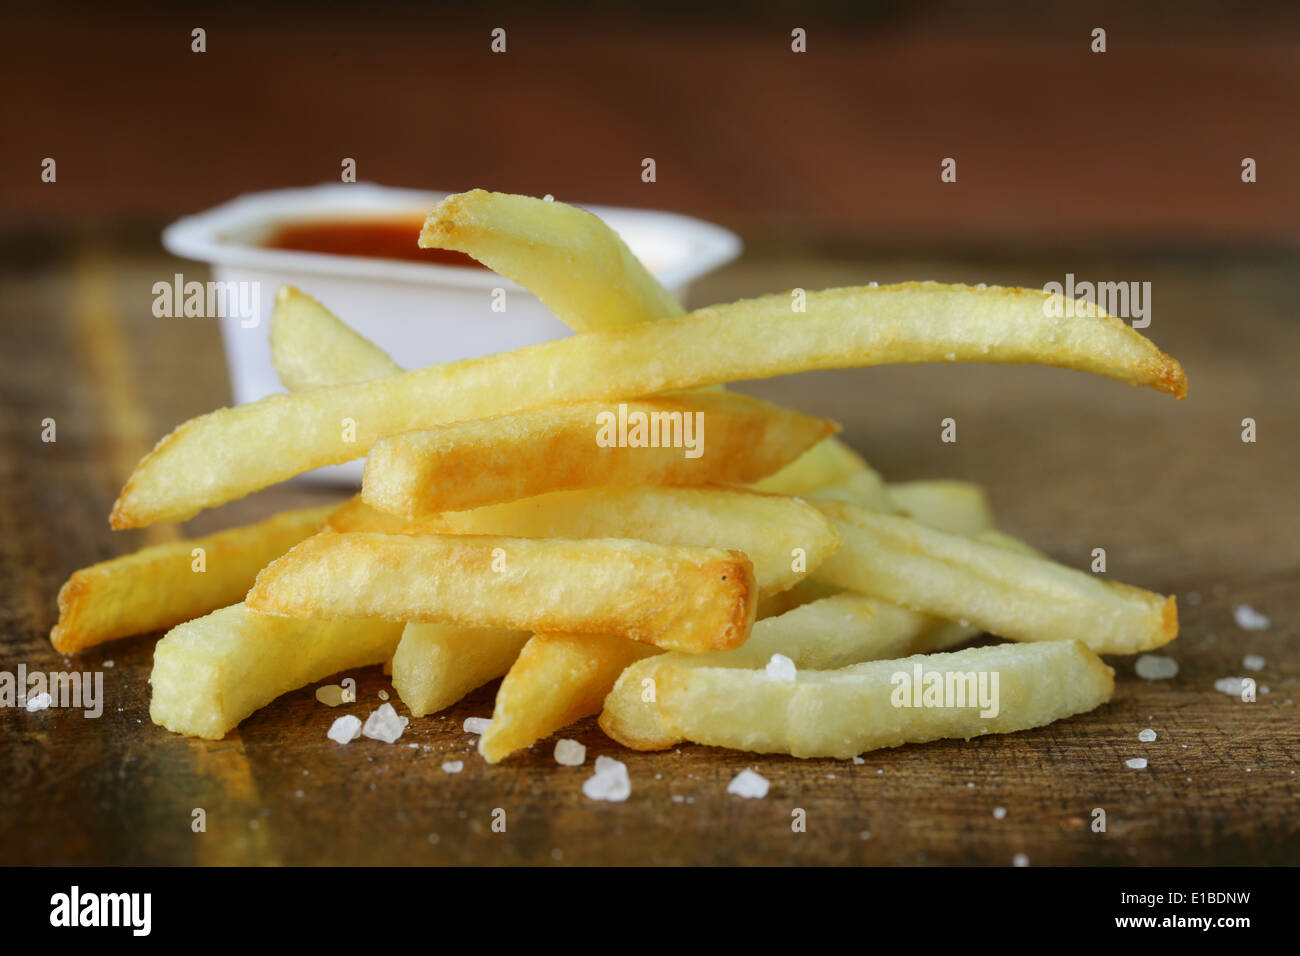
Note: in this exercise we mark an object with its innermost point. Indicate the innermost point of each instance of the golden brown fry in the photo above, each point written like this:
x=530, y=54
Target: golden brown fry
x=438, y=664
x=158, y=587
x=692, y=599
x=783, y=538
x=211, y=673
x=557, y=679
x=229, y=453
x=312, y=348
x=696, y=439
x=1000, y=589
x=666, y=699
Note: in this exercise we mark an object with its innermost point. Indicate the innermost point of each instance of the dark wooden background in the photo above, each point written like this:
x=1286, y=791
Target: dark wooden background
x=1122, y=169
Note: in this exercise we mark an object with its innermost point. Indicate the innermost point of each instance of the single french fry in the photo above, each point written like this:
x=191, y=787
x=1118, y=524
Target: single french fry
x=693, y=599
x=438, y=664
x=664, y=700
x=161, y=586
x=959, y=507
x=556, y=680
x=567, y=257
x=312, y=348
x=700, y=438
x=211, y=673
x=1000, y=589
x=784, y=538
x=231, y=452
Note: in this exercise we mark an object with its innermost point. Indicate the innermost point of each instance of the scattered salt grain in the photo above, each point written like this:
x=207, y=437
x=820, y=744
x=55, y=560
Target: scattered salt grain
x=864, y=835
x=476, y=725
x=749, y=784
x=1156, y=667
x=1248, y=619
x=345, y=730
x=1020, y=860
x=1253, y=662
x=1136, y=763
x=781, y=667
x=1146, y=736
x=1232, y=686
x=609, y=782
x=110, y=663
x=453, y=766
x=569, y=753
x=331, y=695
x=383, y=695
x=858, y=761
x=384, y=724
x=39, y=702
x=999, y=813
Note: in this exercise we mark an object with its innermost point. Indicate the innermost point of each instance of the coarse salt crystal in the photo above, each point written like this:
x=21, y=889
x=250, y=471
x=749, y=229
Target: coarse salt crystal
x=331, y=695
x=1232, y=686
x=1155, y=667
x=39, y=702
x=1020, y=860
x=858, y=761
x=1248, y=619
x=110, y=663
x=1146, y=736
x=476, y=725
x=781, y=667
x=1253, y=662
x=453, y=766
x=345, y=730
x=384, y=724
x=1136, y=763
x=569, y=753
x=383, y=695
x=609, y=782
x=999, y=813
x=749, y=784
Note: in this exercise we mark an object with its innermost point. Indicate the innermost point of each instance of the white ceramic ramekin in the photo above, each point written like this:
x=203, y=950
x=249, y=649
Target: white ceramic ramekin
x=419, y=313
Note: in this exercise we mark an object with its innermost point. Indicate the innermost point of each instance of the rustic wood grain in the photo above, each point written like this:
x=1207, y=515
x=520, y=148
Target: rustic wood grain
x=1072, y=463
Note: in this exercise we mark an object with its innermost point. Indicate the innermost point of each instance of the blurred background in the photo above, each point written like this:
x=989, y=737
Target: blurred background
x=841, y=143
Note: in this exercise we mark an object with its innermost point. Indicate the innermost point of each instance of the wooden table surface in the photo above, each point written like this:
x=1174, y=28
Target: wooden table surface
x=1178, y=501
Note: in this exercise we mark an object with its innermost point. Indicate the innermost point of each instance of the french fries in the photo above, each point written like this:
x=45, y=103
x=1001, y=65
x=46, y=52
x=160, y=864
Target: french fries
x=311, y=348
x=692, y=599
x=695, y=439
x=667, y=699
x=229, y=453
x=211, y=673
x=571, y=260
x=557, y=679
x=498, y=535
x=958, y=507
x=1003, y=590
x=561, y=678
x=161, y=586
x=438, y=664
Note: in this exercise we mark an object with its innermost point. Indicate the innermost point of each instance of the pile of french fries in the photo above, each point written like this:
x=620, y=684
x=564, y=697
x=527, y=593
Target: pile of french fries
x=495, y=537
